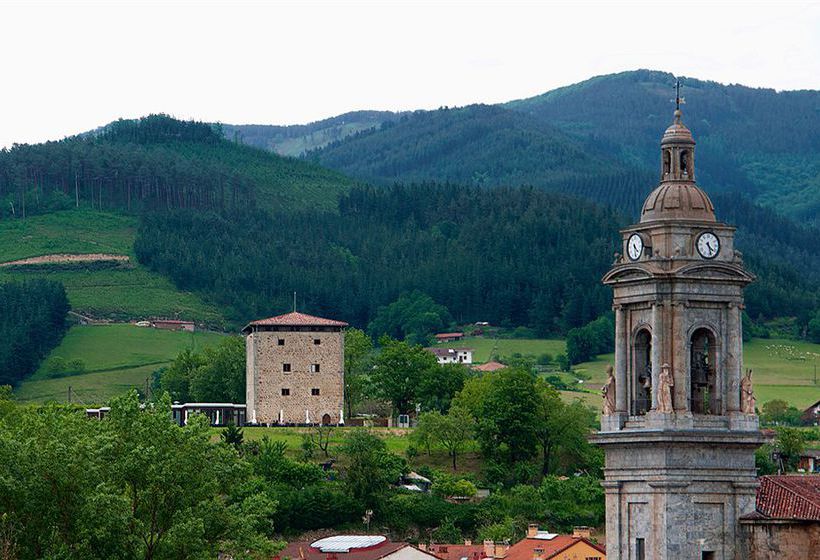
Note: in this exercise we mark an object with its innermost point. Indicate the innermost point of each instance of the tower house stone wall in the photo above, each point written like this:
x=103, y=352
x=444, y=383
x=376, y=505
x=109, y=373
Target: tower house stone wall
x=295, y=370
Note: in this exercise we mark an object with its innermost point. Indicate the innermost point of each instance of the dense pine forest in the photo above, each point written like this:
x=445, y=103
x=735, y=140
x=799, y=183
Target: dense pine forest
x=512, y=256
x=32, y=322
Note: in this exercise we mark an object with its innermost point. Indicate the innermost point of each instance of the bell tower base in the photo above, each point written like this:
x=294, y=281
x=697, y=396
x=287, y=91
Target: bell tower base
x=677, y=494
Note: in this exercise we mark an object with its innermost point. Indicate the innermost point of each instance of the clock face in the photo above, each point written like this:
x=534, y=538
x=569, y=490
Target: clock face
x=634, y=247
x=708, y=245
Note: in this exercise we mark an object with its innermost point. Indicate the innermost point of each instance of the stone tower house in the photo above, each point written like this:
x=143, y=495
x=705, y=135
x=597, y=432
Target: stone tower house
x=678, y=437
x=294, y=370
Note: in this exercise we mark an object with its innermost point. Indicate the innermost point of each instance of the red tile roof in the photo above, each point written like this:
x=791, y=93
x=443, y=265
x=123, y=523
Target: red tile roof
x=790, y=496
x=490, y=366
x=302, y=550
x=450, y=335
x=525, y=548
x=296, y=319
x=457, y=551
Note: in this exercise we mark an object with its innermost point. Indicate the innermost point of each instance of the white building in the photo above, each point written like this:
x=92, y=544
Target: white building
x=453, y=355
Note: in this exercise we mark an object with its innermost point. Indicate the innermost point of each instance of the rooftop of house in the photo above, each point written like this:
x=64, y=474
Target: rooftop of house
x=450, y=335
x=458, y=551
x=790, y=496
x=813, y=407
x=545, y=545
x=348, y=547
x=490, y=366
x=296, y=319
x=445, y=352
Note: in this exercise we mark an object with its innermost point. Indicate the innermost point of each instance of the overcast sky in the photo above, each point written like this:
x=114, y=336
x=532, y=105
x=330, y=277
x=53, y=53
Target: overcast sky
x=69, y=67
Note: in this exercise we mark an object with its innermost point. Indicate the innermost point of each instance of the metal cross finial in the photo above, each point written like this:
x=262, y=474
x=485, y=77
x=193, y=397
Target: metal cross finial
x=678, y=98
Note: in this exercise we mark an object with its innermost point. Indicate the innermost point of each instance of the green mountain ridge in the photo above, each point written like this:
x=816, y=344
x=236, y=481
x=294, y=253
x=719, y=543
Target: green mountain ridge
x=757, y=141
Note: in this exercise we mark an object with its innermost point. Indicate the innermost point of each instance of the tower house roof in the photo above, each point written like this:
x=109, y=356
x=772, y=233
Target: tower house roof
x=294, y=319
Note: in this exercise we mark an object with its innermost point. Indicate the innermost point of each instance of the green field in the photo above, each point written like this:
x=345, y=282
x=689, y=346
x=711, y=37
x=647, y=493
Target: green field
x=483, y=348
x=127, y=291
x=783, y=369
x=116, y=357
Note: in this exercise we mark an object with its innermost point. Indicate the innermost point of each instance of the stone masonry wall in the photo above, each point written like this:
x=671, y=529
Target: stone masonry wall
x=268, y=378
x=779, y=540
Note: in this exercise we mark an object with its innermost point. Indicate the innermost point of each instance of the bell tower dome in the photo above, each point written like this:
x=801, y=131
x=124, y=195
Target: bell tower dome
x=679, y=427
x=677, y=196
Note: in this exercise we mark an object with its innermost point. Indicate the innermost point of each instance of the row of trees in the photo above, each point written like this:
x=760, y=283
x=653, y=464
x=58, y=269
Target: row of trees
x=32, y=323
x=217, y=374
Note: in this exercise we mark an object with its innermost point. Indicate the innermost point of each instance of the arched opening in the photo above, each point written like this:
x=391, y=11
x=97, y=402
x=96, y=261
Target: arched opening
x=704, y=397
x=326, y=420
x=642, y=373
x=667, y=162
x=684, y=162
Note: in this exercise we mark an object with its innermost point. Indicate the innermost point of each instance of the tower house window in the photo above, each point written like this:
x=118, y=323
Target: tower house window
x=315, y=391
x=280, y=342
x=317, y=341
x=314, y=368
x=285, y=392
x=286, y=368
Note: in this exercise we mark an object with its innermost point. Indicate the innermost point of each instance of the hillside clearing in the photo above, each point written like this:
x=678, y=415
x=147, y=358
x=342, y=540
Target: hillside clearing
x=116, y=358
x=121, y=291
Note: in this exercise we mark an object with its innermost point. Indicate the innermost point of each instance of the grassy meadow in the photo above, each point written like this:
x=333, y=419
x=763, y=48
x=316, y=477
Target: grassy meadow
x=117, y=358
x=124, y=291
x=483, y=348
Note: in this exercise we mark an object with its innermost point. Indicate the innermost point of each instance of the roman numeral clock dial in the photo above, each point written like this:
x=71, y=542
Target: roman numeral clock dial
x=708, y=245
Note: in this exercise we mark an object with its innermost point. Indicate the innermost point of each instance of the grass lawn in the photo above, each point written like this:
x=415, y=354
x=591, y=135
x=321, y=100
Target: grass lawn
x=484, y=347
x=783, y=369
x=116, y=357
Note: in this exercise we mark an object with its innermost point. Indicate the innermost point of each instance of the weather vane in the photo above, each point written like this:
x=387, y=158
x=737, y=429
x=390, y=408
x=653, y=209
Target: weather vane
x=678, y=99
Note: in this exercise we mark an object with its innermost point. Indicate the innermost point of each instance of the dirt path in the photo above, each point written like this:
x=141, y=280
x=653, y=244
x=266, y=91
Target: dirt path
x=67, y=258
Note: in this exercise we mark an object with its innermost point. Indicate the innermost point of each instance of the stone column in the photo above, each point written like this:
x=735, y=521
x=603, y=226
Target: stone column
x=734, y=357
x=657, y=357
x=614, y=524
x=680, y=360
x=621, y=357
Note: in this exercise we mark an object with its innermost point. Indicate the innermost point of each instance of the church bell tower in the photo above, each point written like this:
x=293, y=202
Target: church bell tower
x=679, y=428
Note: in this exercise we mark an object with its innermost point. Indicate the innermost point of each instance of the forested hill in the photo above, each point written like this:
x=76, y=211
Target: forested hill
x=480, y=144
x=599, y=139
x=158, y=162
x=756, y=140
